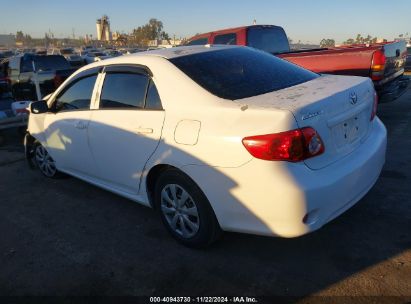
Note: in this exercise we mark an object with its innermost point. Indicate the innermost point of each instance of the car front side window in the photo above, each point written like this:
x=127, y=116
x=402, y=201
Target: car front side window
x=77, y=96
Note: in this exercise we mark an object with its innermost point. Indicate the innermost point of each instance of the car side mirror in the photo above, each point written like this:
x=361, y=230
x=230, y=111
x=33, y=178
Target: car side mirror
x=38, y=107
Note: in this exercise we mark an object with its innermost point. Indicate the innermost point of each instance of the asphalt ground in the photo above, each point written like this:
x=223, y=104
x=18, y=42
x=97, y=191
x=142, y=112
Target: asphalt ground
x=68, y=238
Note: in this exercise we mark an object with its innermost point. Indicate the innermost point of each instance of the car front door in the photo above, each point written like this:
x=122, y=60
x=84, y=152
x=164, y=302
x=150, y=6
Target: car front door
x=66, y=126
x=126, y=128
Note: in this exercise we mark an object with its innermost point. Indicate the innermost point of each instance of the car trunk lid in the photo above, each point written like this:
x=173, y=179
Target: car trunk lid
x=339, y=108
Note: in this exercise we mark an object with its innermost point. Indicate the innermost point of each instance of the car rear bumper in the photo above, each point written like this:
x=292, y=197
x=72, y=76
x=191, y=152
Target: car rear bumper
x=289, y=199
x=393, y=90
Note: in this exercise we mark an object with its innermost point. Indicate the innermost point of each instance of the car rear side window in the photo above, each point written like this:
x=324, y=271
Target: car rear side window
x=77, y=96
x=230, y=38
x=124, y=90
x=153, y=101
x=241, y=72
x=201, y=41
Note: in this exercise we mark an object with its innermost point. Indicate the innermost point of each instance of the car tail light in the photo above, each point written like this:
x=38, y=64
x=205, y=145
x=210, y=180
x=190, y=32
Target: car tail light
x=58, y=80
x=293, y=146
x=378, y=65
x=374, y=107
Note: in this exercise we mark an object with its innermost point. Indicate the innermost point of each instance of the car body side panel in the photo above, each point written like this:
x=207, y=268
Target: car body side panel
x=67, y=141
x=121, y=142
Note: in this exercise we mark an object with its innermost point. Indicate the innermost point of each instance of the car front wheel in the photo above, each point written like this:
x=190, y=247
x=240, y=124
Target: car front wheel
x=45, y=162
x=185, y=211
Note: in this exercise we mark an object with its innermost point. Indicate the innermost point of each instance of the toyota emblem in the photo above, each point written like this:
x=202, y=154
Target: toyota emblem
x=353, y=98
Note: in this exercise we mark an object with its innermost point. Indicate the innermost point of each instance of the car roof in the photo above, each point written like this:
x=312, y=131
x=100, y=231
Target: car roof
x=169, y=53
x=231, y=30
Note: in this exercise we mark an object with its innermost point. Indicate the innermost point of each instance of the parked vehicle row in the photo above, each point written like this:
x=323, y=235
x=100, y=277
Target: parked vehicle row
x=94, y=56
x=22, y=80
x=384, y=63
x=50, y=72
x=215, y=138
x=71, y=56
x=12, y=114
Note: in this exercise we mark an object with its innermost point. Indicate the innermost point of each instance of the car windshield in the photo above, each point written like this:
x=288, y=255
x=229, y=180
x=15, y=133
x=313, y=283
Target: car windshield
x=241, y=72
x=98, y=54
x=271, y=39
x=51, y=62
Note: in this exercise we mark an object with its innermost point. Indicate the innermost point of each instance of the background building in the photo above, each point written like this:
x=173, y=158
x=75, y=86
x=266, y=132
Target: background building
x=103, y=29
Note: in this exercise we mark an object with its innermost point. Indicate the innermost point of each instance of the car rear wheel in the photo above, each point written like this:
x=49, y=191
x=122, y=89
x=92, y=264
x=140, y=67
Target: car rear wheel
x=45, y=162
x=185, y=211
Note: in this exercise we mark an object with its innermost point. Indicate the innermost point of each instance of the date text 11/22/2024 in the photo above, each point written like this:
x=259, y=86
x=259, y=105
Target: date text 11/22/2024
x=203, y=300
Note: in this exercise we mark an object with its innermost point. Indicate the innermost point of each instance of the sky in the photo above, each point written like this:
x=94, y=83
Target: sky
x=305, y=20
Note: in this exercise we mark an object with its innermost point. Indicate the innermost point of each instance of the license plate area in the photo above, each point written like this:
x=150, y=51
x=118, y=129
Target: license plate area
x=350, y=131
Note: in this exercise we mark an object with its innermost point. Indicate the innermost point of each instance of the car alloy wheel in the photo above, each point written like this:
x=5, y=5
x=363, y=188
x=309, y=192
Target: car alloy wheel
x=185, y=210
x=180, y=211
x=44, y=161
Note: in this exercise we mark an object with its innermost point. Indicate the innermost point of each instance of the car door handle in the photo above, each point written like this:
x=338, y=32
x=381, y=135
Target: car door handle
x=142, y=130
x=80, y=125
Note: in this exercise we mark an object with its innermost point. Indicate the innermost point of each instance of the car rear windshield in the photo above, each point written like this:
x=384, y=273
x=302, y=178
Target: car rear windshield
x=271, y=39
x=51, y=62
x=241, y=72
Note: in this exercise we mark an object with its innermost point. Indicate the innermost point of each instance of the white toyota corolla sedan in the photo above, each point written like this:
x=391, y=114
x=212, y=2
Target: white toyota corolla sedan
x=215, y=138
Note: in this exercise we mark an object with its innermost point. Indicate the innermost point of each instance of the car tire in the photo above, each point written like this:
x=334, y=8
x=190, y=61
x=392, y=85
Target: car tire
x=44, y=162
x=185, y=210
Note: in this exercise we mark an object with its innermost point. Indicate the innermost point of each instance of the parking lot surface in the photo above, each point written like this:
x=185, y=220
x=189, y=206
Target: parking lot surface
x=66, y=237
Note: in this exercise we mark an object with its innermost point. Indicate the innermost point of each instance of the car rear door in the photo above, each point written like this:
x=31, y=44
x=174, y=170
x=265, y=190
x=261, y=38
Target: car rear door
x=126, y=127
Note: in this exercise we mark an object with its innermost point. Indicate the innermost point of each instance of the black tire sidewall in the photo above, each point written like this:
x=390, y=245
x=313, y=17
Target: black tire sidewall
x=209, y=229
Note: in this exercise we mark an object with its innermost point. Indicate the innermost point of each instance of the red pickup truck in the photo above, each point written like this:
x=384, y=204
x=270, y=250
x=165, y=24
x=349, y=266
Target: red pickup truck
x=383, y=62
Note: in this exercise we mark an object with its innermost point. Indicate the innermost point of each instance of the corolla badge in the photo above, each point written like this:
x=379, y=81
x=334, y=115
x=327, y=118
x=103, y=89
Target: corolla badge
x=311, y=115
x=353, y=98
